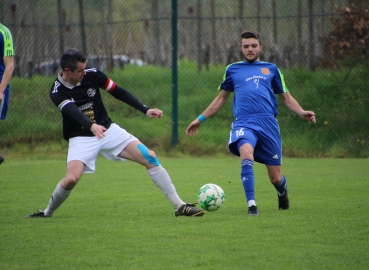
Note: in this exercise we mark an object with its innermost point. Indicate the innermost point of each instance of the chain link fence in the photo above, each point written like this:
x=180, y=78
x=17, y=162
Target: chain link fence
x=132, y=42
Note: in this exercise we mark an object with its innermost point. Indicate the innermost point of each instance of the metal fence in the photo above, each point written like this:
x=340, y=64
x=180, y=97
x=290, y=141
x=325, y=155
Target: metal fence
x=141, y=29
x=116, y=33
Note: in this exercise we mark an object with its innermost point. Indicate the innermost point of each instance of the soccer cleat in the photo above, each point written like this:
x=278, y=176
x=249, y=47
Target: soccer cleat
x=253, y=211
x=40, y=213
x=189, y=210
x=283, y=202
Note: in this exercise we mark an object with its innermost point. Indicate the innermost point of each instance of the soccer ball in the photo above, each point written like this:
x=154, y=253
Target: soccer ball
x=211, y=197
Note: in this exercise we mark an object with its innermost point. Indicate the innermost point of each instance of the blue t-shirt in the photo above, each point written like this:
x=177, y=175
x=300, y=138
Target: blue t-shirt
x=254, y=86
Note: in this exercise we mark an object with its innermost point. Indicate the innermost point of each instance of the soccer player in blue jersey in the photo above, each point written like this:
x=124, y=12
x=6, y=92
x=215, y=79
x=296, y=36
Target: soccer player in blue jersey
x=90, y=132
x=6, y=70
x=255, y=132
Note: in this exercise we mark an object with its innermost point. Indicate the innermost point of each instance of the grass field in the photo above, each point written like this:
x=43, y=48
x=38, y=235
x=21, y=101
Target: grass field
x=117, y=218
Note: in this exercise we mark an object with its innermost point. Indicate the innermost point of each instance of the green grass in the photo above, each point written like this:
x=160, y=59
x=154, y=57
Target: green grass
x=117, y=219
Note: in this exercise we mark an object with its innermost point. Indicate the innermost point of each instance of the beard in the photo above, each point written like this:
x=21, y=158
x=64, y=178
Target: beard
x=250, y=60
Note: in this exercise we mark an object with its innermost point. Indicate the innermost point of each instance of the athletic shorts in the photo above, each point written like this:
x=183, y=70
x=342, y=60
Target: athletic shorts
x=5, y=103
x=87, y=149
x=262, y=132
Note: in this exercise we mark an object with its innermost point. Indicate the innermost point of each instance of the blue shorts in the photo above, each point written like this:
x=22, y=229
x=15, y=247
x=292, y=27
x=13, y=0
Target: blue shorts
x=4, y=104
x=262, y=132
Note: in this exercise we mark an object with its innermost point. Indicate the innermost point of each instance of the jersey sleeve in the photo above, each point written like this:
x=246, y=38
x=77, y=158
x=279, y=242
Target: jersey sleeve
x=119, y=92
x=7, y=42
x=278, y=84
x=227, y=83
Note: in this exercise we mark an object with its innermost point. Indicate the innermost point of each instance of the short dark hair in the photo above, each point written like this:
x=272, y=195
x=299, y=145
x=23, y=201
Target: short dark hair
x=70, y=58
x=251, y=34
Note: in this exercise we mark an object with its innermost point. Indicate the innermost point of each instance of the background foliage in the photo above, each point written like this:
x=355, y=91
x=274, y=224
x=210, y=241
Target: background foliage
x=131, y=42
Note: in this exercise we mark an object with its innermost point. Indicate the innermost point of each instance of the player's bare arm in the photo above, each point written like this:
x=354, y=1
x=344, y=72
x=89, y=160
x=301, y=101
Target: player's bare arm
x=9, y=68
x=294, y=106
x=212, y=109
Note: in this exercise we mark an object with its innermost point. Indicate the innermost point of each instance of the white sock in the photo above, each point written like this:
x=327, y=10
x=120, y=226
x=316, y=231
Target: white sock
x=162, y=180
x=251, y=203
x=57, y=198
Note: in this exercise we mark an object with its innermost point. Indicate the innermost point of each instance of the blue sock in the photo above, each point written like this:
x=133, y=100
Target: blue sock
x=281, y=187
x=247, y=177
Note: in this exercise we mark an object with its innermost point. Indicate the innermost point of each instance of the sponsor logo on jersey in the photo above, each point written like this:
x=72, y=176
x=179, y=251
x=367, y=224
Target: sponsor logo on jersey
x=91, y=92
x=255, y=77
x=86, y=106
x=256, y=81
x=265, y=71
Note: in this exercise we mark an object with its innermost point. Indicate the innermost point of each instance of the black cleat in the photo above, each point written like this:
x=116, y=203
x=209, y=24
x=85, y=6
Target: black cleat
x=40, y=213
x=253, y=211
x=283, y=202
x=189, y=210
x=1, y=158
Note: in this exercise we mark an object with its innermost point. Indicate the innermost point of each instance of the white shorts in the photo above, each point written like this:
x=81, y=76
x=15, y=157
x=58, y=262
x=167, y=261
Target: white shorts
x=86, y=149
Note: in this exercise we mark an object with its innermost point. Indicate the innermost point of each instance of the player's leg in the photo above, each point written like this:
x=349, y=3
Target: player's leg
x=138, y=152
x=247, y=174
x=280, y=183
x=241, y=143
x=269, y=152
x=78, y=162
x=64, y=187
x=129, y=147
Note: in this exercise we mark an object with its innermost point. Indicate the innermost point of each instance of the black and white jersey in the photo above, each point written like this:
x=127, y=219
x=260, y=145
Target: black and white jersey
x=81, y=105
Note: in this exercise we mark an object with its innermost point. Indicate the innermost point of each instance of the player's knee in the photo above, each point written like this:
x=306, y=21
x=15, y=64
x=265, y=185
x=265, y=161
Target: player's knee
x=70, y=181
x=152, y=154
x=149, y=155
x=246, y=155
x=275, y=180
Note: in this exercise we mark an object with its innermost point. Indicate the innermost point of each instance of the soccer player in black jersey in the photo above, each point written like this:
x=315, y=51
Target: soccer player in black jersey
x=90, y=132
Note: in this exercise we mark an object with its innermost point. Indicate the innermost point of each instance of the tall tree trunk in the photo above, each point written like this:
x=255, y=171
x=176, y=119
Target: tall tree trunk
x=82, y=26
x=155, y=18
x=107, y=32
x=61, y=25
x=215, y=44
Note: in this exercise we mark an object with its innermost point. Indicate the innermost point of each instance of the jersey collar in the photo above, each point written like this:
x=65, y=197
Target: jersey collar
x=66, y=84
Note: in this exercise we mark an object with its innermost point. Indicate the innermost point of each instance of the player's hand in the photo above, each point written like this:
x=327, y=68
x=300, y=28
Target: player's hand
x=98, y=130
x=154, y=113
x=193, y=127
x=309, y=116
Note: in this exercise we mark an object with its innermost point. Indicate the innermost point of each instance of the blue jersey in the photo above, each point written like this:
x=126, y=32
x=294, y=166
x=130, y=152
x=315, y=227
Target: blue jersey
x=6, y=47
x=254, y=85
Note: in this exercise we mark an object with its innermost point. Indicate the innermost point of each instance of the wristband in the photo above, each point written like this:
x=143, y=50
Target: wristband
x=201, y=118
